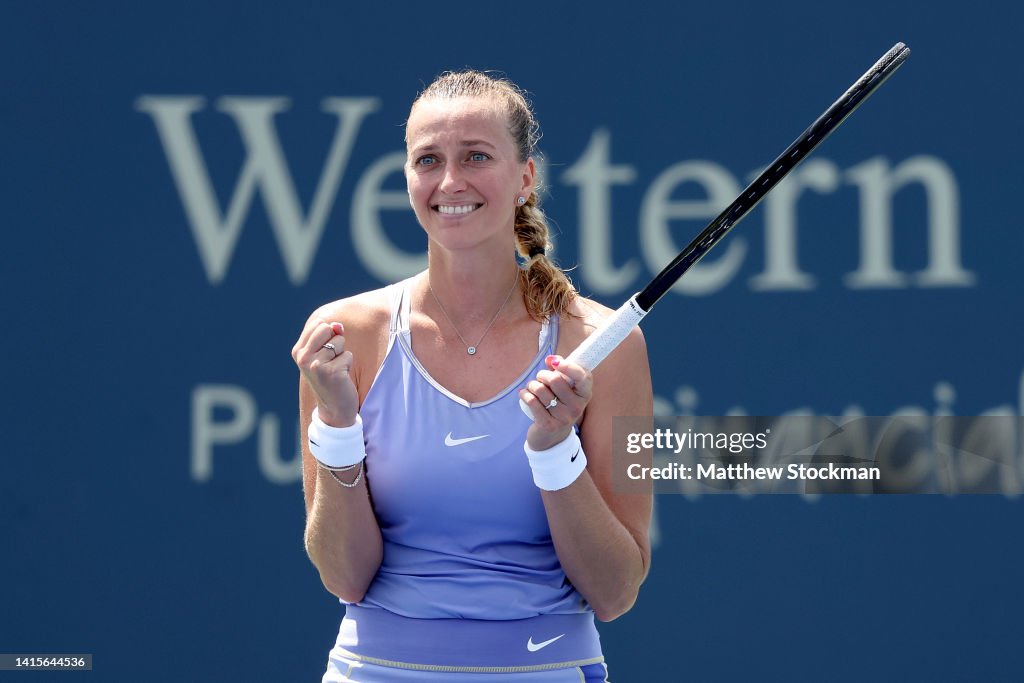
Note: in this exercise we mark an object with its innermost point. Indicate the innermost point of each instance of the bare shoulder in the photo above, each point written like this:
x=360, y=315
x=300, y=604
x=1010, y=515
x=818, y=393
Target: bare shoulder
x=360, y=313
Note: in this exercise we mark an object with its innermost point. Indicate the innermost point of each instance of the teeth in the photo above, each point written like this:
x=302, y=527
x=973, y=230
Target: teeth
x=457, y=210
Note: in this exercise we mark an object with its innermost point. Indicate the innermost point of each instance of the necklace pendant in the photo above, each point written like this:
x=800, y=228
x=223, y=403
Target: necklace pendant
x=471, y=350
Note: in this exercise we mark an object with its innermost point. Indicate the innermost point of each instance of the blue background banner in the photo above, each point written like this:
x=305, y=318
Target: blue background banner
x=184, y=182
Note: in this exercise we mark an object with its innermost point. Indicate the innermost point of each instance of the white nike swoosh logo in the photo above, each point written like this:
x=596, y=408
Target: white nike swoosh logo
x=533, y=647
x=449, y=441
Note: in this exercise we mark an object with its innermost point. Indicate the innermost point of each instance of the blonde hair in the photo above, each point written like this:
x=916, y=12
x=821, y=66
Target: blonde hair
x=546, y=288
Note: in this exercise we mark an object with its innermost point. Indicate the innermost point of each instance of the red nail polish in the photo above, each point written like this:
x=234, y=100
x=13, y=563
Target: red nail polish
x=553, y=361
x=337, y=328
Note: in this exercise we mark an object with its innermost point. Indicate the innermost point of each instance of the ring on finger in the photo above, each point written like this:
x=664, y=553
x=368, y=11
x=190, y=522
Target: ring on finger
x=552, y=403
x=330, y=347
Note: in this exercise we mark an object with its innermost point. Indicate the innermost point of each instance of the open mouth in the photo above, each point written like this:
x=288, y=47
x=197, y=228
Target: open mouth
x=460, y=210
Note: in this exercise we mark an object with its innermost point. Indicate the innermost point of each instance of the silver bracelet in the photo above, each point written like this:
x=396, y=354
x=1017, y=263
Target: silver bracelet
x=346, y=468
x=334, y=474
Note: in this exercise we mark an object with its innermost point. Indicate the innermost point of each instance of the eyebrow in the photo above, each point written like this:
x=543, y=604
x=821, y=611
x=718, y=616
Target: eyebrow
x=477, y=143
x=463, y=143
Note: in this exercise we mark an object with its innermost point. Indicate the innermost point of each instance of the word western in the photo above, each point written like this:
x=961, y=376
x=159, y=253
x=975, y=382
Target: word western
x=707, y=188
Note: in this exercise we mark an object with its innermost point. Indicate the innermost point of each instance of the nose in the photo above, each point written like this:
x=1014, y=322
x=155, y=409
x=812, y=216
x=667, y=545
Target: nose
x=453, y=180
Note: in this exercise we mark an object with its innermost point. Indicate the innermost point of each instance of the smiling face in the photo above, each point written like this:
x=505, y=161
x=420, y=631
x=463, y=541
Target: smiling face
x=463, y=171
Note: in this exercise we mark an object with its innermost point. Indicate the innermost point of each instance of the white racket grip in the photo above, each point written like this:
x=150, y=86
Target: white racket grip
x=602, y=341
x=609, y=334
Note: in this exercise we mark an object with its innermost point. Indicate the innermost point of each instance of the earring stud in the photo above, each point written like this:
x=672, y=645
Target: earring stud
x=521, y=200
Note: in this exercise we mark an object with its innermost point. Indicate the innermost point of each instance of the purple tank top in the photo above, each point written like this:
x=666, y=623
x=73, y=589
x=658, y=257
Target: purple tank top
x=464, y=529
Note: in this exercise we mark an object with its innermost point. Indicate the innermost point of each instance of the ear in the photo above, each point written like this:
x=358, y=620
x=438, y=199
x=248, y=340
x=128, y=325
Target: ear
x=529, y=177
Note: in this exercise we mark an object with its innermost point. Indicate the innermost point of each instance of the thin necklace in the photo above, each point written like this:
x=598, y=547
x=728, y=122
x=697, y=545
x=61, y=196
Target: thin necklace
x=471, y=349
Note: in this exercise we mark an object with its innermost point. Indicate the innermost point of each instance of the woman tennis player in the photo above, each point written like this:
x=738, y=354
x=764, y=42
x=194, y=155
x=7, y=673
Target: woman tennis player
x=469, y=542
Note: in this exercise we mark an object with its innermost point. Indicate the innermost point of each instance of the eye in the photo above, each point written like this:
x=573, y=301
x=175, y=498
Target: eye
x=479, y=156
x=426, y=160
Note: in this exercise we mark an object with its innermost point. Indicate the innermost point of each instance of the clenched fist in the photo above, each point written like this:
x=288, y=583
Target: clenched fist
x=321, y=356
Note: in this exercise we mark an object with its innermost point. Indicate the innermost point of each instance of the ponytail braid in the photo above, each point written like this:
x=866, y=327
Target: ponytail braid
x=546, y=288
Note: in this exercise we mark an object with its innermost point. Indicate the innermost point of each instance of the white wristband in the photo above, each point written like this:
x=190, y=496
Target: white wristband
x=558, y=466
x=336, y=446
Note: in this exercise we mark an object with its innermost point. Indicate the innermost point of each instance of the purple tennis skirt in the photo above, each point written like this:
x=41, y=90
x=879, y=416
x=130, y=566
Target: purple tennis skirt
x=375, y=645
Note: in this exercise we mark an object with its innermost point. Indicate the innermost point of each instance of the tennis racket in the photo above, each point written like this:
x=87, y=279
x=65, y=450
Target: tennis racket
x=614, y=329
x=596, y=347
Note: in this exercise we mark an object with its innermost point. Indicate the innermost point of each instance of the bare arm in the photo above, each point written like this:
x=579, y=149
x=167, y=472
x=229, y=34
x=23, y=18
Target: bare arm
x=601, y=536
x=342, y=536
